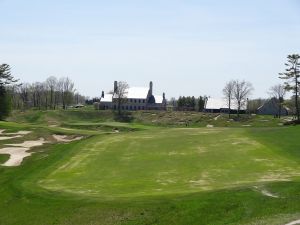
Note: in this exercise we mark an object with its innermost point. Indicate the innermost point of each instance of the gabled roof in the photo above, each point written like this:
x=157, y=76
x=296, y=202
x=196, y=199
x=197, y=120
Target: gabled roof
x=214, y=103
x=107, y=98
x=137, y=92
x=220, y=103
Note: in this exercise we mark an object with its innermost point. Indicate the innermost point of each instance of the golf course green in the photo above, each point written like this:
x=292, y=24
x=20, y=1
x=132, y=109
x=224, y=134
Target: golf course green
x=134, y=173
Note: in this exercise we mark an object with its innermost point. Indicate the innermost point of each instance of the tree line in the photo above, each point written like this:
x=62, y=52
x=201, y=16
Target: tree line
x=51, y=94
x=189, y=103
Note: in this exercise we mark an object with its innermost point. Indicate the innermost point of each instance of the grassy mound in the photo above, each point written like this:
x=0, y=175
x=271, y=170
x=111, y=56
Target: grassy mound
x=149, y=118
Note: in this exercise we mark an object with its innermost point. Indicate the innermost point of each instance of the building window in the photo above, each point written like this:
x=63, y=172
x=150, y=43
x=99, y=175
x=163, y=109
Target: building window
x=144, y=101
x=134, y=100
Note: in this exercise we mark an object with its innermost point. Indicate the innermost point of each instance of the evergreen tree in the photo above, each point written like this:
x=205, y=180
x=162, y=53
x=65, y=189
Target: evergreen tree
x=292, y=75
x=5, y=79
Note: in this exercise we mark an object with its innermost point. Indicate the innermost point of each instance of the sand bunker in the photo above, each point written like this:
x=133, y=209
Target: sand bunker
x=29, y=144
x=22, y=132
x=294, y=222
x=19, y=151
x=64, y=138
x=16, y=155
x=11, y=137
x=6, y=136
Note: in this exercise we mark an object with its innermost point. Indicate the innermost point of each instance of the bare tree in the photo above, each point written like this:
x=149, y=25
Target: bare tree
x=24, y=92
x=67, y=91
x=51, y=84
x=242, y=90
x=292, y=75
x=228, y=93
x=278, y=92
x=120, y=94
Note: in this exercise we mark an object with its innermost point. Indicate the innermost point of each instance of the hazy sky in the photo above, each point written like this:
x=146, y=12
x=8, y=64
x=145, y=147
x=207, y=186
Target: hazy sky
x=189, y=47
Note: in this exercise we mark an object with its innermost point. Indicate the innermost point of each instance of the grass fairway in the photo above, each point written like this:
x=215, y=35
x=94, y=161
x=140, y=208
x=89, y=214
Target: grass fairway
x=153, y=175
x=168, y=161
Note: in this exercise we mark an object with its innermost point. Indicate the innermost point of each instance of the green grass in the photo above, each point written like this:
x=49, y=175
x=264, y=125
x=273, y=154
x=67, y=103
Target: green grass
x=168, y=161
x=4, y=158
x=149, y=174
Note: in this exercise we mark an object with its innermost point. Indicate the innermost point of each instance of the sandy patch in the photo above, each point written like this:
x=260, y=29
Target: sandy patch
x=29, y=144
x=16, y=155
x=65, y=138
x=294, y=222
x=8, y=138
x=19, y=151
x=22, y=132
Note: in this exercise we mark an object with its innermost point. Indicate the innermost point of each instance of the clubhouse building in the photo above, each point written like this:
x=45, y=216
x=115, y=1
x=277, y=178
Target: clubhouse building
x=137, y=98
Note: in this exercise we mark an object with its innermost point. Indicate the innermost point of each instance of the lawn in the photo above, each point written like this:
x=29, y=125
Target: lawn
x=153, y=175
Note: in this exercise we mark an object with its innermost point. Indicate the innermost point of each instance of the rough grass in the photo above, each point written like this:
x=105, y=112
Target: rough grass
x=152, y=175
x=149, y=118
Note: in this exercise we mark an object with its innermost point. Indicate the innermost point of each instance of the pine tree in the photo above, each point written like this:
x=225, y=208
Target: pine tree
x=5, y=79
x=292, y=75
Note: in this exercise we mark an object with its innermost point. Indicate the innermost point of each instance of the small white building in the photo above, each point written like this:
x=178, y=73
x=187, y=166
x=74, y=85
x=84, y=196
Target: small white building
x=137, y=98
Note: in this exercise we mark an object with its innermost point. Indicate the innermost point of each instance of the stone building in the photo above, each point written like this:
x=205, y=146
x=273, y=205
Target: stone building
x=137, y=98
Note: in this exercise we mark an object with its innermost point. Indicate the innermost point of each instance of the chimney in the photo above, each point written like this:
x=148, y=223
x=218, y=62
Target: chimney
x=164, y=96
x=102, y=95
x=115, y=86
x=151, y=88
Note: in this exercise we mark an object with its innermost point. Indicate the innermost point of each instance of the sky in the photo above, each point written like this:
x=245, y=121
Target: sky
x=190, y=47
